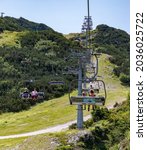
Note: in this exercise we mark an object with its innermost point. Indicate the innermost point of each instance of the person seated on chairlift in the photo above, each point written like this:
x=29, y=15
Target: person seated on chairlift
x=91, y=87
x=34, y=94
x=84, y=93
x=92, y=94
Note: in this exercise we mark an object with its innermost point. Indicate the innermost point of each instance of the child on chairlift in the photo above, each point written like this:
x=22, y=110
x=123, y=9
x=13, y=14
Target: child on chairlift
x=92, y=94
x=34, y=94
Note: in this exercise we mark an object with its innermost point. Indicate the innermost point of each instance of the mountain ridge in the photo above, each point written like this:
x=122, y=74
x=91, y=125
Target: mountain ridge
x=21, y=24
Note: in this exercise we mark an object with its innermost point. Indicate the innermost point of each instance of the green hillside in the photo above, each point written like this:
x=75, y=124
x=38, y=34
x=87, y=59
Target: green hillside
x=33, y=58
x=116, y=43
x=41, y=56
x=47, y=113
x=33, y=54
x=57, y=111
x=112, y=41
x=27, y=56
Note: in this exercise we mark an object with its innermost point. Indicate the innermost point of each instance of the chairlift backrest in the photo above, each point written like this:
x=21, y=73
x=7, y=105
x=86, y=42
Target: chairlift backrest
x=41, y=95
x=25, y=95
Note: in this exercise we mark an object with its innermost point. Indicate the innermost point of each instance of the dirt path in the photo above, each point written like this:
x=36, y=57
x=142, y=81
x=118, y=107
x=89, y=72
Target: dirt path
x=57, y=128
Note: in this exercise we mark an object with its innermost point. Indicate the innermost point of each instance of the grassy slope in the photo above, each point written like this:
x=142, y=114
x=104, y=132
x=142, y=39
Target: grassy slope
x=46, y=141
x=57, y=111
x=6, y=144
x=49, y=113
x=115, y=91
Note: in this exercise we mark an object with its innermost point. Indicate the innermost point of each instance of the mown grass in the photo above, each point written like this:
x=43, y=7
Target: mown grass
x=116, y=92
x=49, y=113
x=9, y=143
x=38, y=142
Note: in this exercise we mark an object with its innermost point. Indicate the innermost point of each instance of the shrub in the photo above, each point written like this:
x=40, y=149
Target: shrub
x=99, y=114
x=125, y=79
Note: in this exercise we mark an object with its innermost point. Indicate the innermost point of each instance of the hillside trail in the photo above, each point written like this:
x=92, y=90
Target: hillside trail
x=53, y=129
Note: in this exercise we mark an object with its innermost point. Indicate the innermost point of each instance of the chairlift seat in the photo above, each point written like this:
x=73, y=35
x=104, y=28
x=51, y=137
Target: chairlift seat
x=56, y=82
x=25, y=95
x=41, y=95
x=83, y=100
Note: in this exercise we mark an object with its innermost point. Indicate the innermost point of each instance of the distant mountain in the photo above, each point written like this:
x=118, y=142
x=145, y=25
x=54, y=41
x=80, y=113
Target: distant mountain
x=21, y=24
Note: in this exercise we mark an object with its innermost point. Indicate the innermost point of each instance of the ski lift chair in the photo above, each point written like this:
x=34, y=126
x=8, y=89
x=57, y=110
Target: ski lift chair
x=99, y=98
x=25, y=95
x=41, y=96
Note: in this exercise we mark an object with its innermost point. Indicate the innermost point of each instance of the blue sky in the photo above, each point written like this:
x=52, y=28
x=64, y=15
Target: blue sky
x=66, y=16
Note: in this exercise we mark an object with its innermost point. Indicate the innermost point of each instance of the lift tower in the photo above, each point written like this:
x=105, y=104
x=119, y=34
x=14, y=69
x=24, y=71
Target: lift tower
x=2, y=14
x=87, y=26
x=84, y=97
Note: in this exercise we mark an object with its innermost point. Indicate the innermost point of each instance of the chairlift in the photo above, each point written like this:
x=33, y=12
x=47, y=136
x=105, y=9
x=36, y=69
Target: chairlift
x=56, y=82
x=41, y=95
x=27, y=95
x=85, y=99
